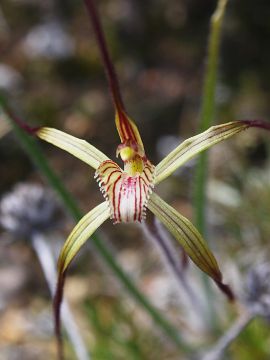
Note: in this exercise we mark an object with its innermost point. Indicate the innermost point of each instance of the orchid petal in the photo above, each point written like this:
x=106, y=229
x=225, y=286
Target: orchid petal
x=127, y=130
x=77, y=147
x=187, y=235
x=194, y=145
x=81, y=233
x=127, y=195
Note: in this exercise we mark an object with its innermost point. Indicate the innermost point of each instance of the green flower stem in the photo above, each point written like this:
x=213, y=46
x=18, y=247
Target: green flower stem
x=210, y=80
x=31, y=147
x=208, y=109
x=206, y=120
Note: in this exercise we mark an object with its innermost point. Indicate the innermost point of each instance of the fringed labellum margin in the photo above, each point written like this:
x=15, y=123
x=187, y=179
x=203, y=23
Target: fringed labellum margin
x=128, y=191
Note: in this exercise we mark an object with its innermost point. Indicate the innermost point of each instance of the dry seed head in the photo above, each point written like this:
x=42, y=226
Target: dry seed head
x=28, y=208
x=258, y=290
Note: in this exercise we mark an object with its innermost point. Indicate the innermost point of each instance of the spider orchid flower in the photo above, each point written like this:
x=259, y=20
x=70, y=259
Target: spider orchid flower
x=128, y=192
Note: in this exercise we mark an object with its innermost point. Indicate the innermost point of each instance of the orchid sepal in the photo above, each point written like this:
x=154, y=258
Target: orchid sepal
x=187, y=235
x=79, y=148
x=195, y=145
x=81, y=233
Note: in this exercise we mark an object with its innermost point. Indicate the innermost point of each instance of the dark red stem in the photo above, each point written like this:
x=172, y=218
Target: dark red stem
x=57, y=302
x=107, y=62
x=22, y=124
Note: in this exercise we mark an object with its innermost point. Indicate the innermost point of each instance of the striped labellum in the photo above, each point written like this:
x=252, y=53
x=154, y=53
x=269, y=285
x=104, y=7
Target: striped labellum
x=126, y=191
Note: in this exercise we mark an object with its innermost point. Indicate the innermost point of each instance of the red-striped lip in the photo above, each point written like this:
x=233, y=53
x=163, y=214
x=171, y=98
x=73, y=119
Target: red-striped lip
x=127, y=195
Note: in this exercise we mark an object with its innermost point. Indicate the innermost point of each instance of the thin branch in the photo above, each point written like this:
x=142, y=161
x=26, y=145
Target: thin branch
x=220, y=347
x=47, y=262
x=155, y=232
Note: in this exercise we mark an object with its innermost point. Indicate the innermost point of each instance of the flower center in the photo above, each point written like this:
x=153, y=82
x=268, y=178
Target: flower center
x=127, y=191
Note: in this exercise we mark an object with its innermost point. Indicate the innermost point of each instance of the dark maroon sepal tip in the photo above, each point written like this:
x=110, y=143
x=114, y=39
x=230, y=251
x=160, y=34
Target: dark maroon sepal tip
x=27, y=128
x=22, y=124
x=58, y=298
x=257, y=124
x=184, y=260
x=226, y=290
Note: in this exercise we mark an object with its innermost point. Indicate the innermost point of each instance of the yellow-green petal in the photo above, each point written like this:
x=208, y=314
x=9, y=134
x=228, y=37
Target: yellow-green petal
x=81, y=233
x=196, y=144
x=77, y=147
x=187, y=235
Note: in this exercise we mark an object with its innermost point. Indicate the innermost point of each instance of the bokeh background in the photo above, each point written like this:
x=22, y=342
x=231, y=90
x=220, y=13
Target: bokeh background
x=51, y=73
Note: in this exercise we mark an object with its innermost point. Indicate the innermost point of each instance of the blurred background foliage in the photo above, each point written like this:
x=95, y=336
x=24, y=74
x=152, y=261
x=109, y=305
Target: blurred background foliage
x=51, y=72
